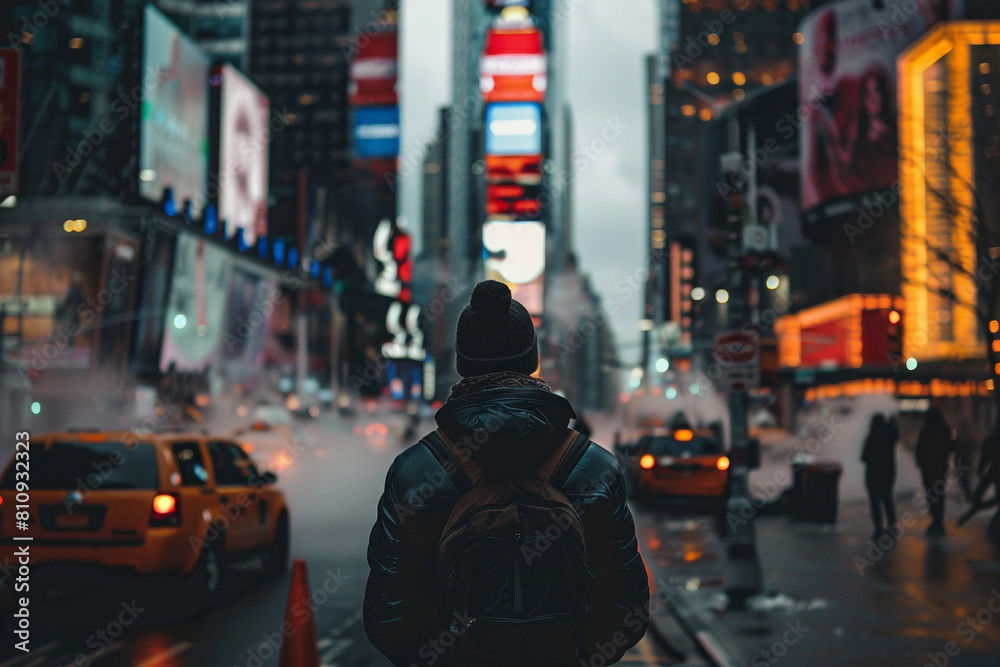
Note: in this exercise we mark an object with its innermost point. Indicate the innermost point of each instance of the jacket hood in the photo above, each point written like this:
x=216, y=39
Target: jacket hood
x=507, y=427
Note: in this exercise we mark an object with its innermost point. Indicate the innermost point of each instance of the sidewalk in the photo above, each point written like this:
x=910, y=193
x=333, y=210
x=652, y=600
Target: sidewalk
x=831, y=596
x=834, y=598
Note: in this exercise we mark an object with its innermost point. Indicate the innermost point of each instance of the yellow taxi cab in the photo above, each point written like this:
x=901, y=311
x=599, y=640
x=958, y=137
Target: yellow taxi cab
x=681, y=462
x=183, y=503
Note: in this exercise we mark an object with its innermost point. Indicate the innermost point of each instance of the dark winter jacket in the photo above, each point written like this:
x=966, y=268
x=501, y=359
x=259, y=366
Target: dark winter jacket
x=497, y=426
x=880, y=454
x=934, y=445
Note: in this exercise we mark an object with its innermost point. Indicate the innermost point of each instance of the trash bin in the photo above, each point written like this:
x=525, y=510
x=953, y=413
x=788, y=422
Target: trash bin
x=819, y=488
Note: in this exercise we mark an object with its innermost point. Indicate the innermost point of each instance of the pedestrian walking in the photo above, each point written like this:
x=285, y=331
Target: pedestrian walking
x=934, y=447
x=504, y=538
x=879, y=456
x=989, y=475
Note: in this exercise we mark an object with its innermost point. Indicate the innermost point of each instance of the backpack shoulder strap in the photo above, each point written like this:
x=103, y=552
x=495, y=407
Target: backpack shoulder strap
x=557, y=467
x=466, y=474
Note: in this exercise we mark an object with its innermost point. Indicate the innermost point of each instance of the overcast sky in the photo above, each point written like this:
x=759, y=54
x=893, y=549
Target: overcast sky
x=606, y=45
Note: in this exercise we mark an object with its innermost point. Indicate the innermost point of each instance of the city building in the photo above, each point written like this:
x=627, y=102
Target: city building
x=712, y=55
x=117, y=269
x=300, y=55
x=220, y=27
x=894, y=165
x=502, y=169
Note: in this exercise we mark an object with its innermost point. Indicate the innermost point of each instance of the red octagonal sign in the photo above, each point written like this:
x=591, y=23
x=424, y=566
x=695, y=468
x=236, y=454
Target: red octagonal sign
x=735, y=347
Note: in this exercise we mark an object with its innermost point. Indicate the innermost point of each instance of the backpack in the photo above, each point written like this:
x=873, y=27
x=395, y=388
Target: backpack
x=512, y=562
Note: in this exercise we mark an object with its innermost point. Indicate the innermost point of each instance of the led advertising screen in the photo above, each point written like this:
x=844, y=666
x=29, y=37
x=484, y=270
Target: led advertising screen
x=159, y=260
x=376, y=132
x=374, y=68
x=196, y=310
x=847, y=87
x=248, y=323
x=243, y=159
x=513, y=129
x=173, y=151
x=514, y=253
x=513, y=66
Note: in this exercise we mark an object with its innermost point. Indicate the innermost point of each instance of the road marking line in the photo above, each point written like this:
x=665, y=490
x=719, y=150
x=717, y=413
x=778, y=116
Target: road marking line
x=715, y=650
x=172, y=651
x=333, y=653
x=28, y=656
x=346, y=623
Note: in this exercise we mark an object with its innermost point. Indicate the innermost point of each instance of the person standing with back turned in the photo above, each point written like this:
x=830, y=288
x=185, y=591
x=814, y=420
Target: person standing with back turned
x=879, y=456
x=504, y=538
x=932, y=452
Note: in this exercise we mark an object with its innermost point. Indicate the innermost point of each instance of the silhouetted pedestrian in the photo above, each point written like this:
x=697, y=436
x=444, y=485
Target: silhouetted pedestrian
x=879, y=455
x=989, y=475
x=934, y=447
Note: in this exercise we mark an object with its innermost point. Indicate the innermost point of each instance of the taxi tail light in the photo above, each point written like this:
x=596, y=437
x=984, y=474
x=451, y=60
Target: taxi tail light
x=722, y=463
x=166, y=510
x=647, y=461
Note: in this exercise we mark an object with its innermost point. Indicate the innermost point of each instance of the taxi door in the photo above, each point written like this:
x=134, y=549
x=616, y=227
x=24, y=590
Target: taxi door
x=237, y=498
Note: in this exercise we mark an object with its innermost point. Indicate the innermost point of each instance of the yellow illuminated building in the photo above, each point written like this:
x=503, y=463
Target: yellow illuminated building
x=937, y=200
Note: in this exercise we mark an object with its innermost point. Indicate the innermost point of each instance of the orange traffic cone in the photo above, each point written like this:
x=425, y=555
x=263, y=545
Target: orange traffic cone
x=299, y=647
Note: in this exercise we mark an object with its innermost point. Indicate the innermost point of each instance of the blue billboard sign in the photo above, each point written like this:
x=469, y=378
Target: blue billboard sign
x=376, y=132
x=514, y=128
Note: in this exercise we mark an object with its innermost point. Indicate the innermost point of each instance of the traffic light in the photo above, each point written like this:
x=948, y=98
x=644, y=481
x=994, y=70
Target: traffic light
x=894, y=331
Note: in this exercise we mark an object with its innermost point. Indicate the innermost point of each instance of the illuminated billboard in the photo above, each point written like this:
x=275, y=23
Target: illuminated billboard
x=513, y=129
x=374, y=69
x=173, y=151
x=243, y=157
x=248, y=323
x=847, y=86
x=514, y=254
x=196, y=310
x=513, y=65
x=376, y=132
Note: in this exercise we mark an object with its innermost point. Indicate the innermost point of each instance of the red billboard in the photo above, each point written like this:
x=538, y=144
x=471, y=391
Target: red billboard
x=827, y=344
x=10, y=79
x=374, y=70
x=513, y=65
x=525, y=169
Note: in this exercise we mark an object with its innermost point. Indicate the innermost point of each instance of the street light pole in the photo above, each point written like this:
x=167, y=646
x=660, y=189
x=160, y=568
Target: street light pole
x=744, y=575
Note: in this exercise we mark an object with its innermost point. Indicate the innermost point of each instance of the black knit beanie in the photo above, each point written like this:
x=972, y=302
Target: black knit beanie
x=495, y=334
